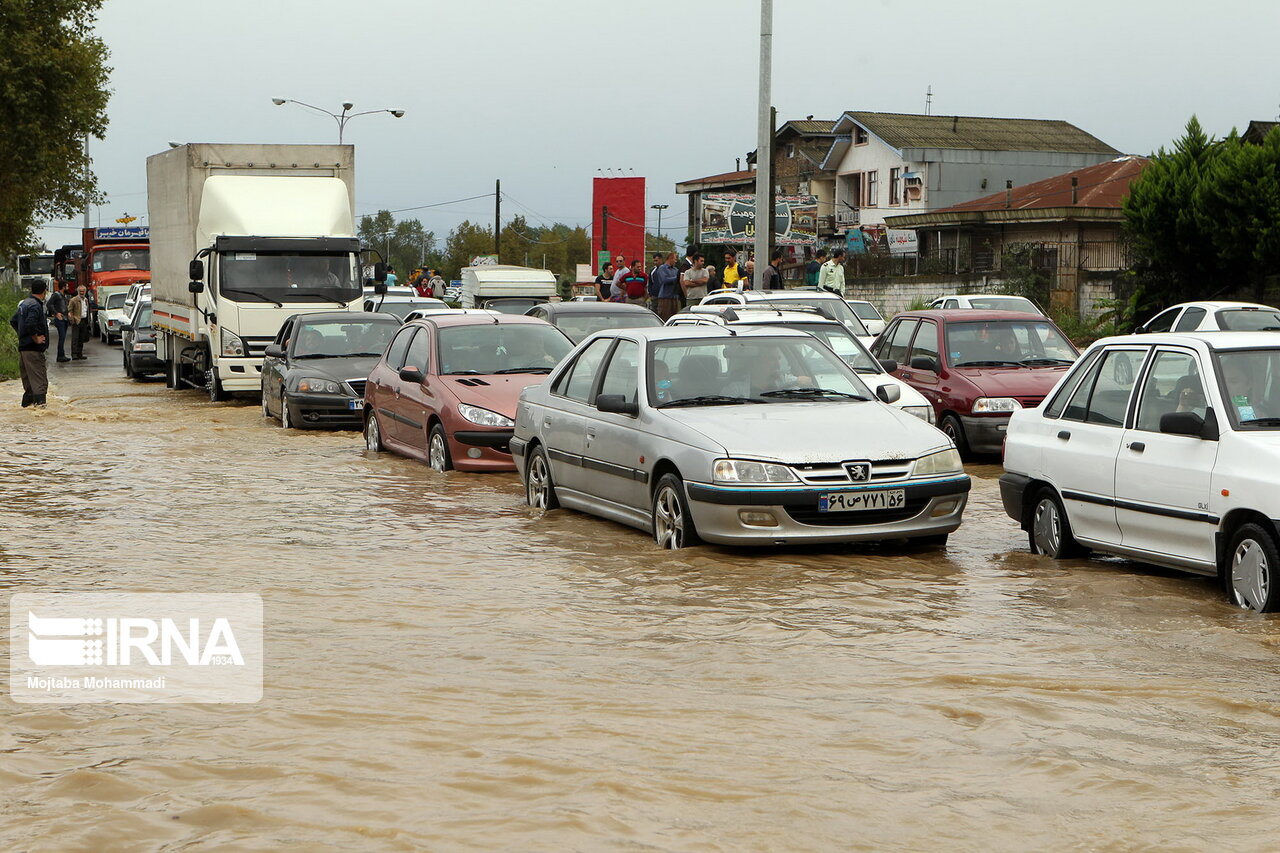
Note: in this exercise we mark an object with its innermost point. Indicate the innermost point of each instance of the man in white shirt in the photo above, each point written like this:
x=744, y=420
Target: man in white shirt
x=832, y=275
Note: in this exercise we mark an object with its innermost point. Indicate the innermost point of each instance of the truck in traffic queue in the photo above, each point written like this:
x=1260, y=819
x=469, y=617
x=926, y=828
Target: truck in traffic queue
x=485, y=282
x=34, y=268
x=113, y=258
x=243, y=237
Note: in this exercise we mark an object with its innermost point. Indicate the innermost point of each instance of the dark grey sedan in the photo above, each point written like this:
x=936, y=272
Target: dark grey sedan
x=314, y=373
x=580, y=319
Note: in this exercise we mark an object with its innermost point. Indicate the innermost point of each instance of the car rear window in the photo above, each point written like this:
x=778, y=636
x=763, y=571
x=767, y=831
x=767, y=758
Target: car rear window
x=1249, y=319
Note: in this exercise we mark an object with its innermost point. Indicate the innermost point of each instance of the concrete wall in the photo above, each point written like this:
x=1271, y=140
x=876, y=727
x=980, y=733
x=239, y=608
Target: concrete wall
x=895, y=294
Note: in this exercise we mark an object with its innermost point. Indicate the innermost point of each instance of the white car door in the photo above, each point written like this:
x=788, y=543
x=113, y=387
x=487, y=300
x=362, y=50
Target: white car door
x=612, y=470
x=564, y=420
x=1162, y=480
x=1084, y=442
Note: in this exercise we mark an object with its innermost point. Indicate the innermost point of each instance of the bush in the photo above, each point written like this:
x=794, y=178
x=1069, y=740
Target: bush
x=9, y=299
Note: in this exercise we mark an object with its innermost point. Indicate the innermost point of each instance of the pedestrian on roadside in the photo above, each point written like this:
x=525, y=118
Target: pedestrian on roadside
x=747, y=282
x=773, y=272
x=420, y=281
x=733, y=273
x=714, y=281
x=604, y=282
x=695, y=280
x=635, y=284
x=78, y=311
x=832, y=276
x=436, y=285
x=617, y=293
x=665, y=287
x=32, y=325
x=391, y=277
x=55, y=305
x=814, y=268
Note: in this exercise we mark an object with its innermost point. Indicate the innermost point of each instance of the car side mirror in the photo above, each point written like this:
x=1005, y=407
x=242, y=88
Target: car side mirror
x=889, y=393
x=411, y=374
x=1191, y=424
x=923, y=362
x=196, y=286
x=888, y=365
x=126, y=327
x=274, y=351
x=195, y=269
x=617, y=404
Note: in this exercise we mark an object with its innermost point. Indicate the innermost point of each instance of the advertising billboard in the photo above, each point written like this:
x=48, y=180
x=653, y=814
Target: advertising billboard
x=623, y=234
x=731, y=218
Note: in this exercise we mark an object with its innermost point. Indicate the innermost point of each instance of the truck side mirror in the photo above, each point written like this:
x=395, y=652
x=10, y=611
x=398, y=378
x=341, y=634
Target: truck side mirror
x=195, y=269
x=196, y=286
x=379, y=271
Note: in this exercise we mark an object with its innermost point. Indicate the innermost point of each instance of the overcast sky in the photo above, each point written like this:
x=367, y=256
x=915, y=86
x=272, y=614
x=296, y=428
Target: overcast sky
x=543, y=94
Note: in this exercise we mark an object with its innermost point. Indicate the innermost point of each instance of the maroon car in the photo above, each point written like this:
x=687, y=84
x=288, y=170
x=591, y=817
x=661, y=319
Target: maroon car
x=445, y=390
x=977, y=367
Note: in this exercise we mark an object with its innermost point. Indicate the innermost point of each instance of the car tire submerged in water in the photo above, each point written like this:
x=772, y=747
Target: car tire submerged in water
x=373, y=434
x=954, y=430
x=128, y=368
x=540, y=490
x=1050, y=530
x=438, y=450
x=286, y=419
x=214, y=386
x=672, y=524
x=1252, y=562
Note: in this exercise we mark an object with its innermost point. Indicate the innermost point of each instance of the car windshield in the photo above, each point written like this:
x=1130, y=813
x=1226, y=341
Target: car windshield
x=511, y=306
x=115, y=300
x=578, y=325
x=402, y=308
x=991, y=343
x=1250, y=381
x=842, y=342
x=1003, y=303
x=835, y=308
x=488, y=348
x=1249, y=319
x=289, y=276
x=110, y=260
x=865, y=311
x=750, y=369
x=343, y=338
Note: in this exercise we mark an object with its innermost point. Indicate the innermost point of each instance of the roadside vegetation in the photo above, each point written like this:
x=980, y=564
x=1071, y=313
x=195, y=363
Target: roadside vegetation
x=9, y=299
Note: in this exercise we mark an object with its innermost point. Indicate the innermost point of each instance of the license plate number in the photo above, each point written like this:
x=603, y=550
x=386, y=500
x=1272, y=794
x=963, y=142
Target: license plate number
x=856, y=501
x=355, y=404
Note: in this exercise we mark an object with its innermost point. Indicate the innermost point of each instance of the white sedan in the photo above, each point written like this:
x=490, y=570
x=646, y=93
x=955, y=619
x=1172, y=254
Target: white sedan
x=1215, y=316
x=111, y=316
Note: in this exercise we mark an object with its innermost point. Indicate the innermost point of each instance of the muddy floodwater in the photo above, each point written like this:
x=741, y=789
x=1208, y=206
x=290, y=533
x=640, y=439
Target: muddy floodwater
x=447, y=670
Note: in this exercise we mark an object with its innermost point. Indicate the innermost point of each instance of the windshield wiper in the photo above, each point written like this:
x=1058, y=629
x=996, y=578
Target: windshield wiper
x=321, y=355
x=523, y=370
x=706, y=400
x=363, y=355
x=277, y=303
x=1047, y=360
x=1262, y=422
x=321, y=298
x=811, y=392
x=987, y=363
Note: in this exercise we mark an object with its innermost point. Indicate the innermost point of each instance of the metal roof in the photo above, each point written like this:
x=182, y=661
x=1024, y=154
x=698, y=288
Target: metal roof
x=907, y=130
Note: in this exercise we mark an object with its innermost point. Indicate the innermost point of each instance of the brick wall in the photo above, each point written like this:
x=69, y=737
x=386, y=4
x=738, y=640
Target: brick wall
x=895, y=294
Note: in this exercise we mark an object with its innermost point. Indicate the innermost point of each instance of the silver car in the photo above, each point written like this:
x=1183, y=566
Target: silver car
x=750, y=436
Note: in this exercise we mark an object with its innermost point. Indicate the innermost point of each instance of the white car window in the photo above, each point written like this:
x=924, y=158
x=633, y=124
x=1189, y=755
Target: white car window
x=1190, y=320
x=1249, y=319
x=1083, y=371
x=1172, y=385
x=620, y=376
x=1105, y=400
x=1163, y=322
x=577, y=383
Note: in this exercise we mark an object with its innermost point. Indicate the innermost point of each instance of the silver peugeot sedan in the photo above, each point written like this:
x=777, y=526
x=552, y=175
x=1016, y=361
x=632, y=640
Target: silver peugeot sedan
x=751, y=436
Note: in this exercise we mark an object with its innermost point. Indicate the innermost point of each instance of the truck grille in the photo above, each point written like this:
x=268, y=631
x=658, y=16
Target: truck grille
x=257, y=344
x=828, y=473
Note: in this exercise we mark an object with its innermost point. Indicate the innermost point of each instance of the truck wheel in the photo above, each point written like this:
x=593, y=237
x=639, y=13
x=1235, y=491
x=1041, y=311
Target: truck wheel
x=171, y=373
x=214, y=386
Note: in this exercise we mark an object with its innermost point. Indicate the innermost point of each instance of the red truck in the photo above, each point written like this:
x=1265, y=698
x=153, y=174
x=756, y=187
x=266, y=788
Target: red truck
x=114, y=258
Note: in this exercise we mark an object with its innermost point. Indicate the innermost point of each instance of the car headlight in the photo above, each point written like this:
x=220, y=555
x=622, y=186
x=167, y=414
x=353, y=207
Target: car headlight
x=995, y=405
x=231, y=344
x=484, y=417
x=944, y=462
x=924, y=413
x=740, y=471
x=318, y=386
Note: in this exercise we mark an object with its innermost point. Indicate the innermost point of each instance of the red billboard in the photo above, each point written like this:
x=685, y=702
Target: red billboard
x=623, y=234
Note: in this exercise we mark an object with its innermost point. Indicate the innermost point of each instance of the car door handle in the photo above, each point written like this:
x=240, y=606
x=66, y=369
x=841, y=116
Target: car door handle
x=546, y=422
x=1065, y=435
x=591, y=433
x=1137, y=446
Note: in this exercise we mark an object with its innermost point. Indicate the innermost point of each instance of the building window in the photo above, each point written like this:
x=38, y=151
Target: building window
x=895, y=186
x=873, y=188
x=859, y=135
x=791, y=150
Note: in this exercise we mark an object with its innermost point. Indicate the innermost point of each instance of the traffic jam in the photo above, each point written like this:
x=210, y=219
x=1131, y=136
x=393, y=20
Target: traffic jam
x=749, y=418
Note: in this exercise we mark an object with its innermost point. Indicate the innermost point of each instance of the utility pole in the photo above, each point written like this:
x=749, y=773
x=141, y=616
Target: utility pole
x=773, y=200
x=604, y=234
x=497, y=219
x=764, y=142
x=86, y=180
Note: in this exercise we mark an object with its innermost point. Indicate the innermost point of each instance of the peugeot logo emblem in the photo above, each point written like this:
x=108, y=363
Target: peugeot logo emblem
x=859, y=472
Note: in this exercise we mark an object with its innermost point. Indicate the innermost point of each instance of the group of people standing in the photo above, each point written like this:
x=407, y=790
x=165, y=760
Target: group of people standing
x=671, y=282
x=428, y=283
x=31, y=323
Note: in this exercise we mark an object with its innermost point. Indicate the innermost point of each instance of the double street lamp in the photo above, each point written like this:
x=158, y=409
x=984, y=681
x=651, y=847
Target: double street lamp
x=341, y=118
x=659, y=208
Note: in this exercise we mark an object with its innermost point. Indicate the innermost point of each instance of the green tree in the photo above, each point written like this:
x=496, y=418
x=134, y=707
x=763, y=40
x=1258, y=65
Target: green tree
x=53, y=91
x=404, y=244
x=464, y=243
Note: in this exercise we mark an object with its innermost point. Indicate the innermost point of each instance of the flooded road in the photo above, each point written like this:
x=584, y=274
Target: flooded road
x=446, y=670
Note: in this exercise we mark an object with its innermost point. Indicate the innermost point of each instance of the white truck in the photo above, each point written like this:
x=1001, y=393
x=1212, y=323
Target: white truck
x=34, y=268
x=243, y=237
x=487, y=282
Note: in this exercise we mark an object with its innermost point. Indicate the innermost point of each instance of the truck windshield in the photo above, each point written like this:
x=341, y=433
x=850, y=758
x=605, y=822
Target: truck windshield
x=290, y=276
x=39, y=265
x=110, y=260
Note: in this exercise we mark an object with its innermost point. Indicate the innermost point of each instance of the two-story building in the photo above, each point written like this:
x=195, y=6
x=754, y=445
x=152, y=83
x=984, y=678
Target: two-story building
x=885, y=164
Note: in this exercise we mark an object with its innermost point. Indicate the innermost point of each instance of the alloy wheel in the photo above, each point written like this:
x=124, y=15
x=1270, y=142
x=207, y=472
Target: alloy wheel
x=372, y=434
x=1047, y=525
x=668, y=518
x=539, y=486
x=436, y=451
x=286, y=421
x=1250, y=584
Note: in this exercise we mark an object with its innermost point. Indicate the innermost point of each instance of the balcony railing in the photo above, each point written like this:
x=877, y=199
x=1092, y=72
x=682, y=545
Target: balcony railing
x=848, y=216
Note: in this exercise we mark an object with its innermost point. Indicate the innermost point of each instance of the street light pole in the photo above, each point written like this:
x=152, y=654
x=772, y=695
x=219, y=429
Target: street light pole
x=341, y=118
x=659, y=208
x=764, y=142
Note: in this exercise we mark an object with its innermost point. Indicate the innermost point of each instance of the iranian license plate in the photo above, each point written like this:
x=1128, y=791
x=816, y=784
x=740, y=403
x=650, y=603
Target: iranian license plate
x=355, y=404
x=855, y=501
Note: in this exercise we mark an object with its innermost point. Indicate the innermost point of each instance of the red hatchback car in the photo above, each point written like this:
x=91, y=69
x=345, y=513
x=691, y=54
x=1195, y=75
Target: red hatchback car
x=445, y=390
x=977, y=367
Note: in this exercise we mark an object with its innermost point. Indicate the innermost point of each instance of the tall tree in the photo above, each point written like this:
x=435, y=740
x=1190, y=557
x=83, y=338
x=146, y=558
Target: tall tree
x=464, y=243
x=53, y=91
x=404, y=244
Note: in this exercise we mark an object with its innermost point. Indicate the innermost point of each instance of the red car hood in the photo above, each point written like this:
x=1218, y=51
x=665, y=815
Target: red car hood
x=1013, y=381
x=495, y=393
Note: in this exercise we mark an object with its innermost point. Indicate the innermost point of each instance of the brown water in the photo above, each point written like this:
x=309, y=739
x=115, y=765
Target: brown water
x=446, y=670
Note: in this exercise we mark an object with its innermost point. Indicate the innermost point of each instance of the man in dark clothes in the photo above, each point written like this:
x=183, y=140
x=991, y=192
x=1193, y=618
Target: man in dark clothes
x=32, y=326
